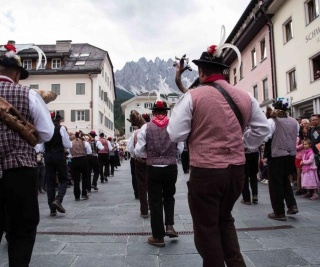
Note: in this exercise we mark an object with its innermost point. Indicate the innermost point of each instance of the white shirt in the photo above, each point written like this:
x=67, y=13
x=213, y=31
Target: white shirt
x=140, y=149
x=65, y=137
x=180, y=122
x=88, y=148
x=39, y=148
x=40, y=115
x=130, y=144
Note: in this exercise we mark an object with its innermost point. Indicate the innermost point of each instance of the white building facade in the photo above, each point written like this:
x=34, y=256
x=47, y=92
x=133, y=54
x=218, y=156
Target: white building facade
x=252, y=36
x=296, y=27
x=142, y=104
x=82, y=76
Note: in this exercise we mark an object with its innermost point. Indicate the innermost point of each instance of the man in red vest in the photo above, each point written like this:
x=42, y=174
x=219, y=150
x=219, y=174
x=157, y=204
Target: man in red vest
x=103, y=157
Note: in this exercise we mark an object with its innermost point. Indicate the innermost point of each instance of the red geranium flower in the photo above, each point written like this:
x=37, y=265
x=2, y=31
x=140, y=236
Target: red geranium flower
x=211, y=49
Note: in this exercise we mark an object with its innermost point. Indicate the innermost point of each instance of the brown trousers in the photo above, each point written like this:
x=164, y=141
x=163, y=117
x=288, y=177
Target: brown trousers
x=212, y=194
x=141, y=177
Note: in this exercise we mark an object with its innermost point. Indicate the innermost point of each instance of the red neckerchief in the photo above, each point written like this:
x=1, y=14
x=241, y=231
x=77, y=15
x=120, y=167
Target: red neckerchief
x=214, y=77
x=5, y=79
x=160, y=120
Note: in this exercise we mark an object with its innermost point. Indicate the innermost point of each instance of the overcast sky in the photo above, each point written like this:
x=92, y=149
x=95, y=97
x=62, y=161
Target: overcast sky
x=127, y=29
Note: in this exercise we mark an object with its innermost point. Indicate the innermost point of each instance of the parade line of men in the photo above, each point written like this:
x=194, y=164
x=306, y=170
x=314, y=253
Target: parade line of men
x=216, y=120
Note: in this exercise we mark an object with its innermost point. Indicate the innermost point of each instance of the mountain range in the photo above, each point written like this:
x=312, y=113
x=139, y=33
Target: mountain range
x=144, y=76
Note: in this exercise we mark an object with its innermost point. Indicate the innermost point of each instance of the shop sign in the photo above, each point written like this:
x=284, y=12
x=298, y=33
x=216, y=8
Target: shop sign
x=313, y=34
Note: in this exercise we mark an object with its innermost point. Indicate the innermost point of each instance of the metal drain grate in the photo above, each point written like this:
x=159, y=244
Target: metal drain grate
x=270, y=228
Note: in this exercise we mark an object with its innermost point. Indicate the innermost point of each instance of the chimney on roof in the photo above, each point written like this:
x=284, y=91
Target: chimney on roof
x=63, y=46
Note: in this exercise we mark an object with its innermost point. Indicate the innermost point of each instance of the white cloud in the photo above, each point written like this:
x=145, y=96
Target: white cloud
x=127, y=29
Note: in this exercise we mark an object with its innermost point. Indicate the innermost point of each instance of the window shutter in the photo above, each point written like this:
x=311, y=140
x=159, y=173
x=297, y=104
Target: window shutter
x=87, y=115
x=73, y=115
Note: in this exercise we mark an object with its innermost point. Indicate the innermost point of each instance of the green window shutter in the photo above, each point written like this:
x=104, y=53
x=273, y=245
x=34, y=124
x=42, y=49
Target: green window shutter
x=87, y=115
x=73, y=115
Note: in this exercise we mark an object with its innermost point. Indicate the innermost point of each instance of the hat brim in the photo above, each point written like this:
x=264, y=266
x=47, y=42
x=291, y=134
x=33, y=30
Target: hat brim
x=200, y=62
x=164, y=108
x=8, y=64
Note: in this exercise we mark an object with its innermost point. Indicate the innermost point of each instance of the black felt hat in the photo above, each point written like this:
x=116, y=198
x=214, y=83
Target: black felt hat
x=280, y=105
x=160, y=105
x=11, y=60
x=208, y=60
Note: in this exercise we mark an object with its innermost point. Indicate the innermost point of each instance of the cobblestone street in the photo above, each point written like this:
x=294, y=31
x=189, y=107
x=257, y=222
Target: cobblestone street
x=107, y=230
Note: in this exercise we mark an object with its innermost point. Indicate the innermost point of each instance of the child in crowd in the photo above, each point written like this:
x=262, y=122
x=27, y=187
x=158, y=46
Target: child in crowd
x=309, y=177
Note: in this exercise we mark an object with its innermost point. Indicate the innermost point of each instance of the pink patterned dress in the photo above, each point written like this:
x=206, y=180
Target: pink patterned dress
x=309, y=171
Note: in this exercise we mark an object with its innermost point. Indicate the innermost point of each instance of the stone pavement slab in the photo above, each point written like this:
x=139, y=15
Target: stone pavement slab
x=107, y=230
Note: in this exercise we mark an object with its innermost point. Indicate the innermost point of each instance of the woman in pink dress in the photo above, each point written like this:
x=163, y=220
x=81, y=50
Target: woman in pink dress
x=310, y=179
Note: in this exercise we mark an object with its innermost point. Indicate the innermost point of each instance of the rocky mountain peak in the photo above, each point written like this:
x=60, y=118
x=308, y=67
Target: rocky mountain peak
x=144, y=76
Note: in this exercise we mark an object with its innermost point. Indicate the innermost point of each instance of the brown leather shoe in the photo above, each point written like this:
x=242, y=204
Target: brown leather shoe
x=245, y=202
x=58, y=206
x=158, y=242
x=293, y=210
x=278, y=217
x=170, y=231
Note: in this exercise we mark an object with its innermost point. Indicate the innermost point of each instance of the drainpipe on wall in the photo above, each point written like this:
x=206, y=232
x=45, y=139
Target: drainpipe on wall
x=272, y=56
x=91, y=101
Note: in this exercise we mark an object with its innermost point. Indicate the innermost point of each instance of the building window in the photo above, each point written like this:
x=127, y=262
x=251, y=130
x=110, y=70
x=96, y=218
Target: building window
x=263, y=49
x=80, y=115
x=265, y=89
x=34, y=86
x=80, y=89
x=80, y=63
x=288, y=30
x=241, y=71
x=292, y=80
x=131, y=129
x=316, y=67
x=84, y=54
x=56, y=63
x=148, y=105
x=312, y=10
x=100, y=117
x=42, y=65
x=253, y=58
x=255, y=91
x=55, y=88
x=27, y=64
